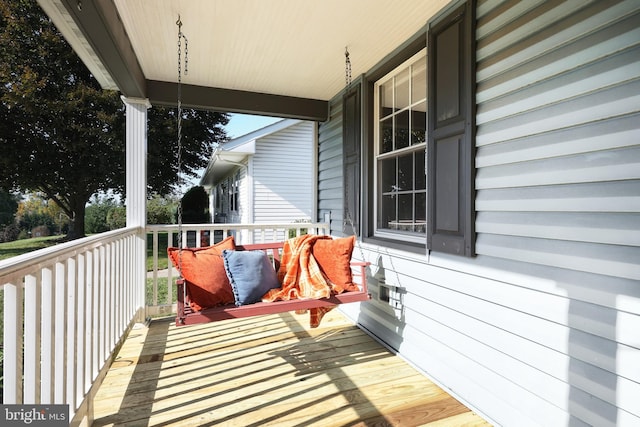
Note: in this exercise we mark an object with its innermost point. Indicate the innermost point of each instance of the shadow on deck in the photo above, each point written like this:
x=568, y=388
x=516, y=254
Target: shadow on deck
x=270, y=370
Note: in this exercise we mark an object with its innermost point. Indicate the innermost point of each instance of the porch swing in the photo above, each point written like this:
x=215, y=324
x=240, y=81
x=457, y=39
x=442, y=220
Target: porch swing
x=311, y=273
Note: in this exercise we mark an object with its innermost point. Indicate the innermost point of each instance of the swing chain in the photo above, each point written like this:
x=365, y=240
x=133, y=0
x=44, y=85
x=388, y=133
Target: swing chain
x=347, y=211
x=347, y=66
x=349, y=219
x=181, y=36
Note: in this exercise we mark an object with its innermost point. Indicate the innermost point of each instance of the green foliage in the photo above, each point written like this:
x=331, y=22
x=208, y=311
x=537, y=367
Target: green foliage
x=163, y=291
x=35, y=211
x=96, y=214
x=160, y=210
x=201, y=131
x=105, y=214
x=117, y=217
x=63, y=135
x=29, y=220
x=63, y=132
x=35, y=214
x=292, y=232
x=195, y=205
x=163, y=260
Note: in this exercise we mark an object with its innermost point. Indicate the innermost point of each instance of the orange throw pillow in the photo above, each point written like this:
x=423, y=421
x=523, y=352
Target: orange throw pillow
x=334, y=257
x=206, y=279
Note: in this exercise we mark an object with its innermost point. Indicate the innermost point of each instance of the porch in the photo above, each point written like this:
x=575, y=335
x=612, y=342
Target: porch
x=538, y=328
x=269, y=370
x=74, y=334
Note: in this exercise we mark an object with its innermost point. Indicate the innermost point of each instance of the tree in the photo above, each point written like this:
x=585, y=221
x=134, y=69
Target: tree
x=97, y=212
x=117, y=217
x=8, y=208
x=60, y=124
x=33, y=211
x=195, y=206
x=63, y=135
x=201, y=132
x=160, y=210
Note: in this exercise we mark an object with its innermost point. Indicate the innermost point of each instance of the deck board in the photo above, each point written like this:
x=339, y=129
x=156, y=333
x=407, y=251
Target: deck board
x=268, y=370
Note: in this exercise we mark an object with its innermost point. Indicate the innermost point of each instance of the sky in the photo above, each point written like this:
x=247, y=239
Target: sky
x=242, y=124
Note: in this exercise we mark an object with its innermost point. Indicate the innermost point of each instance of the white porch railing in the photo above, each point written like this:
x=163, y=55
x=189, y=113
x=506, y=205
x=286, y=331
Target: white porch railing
x=66, y=309
x=160, y=286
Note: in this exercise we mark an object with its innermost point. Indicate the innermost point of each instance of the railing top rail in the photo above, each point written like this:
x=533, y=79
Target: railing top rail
x=36, y=259
x=225, y=226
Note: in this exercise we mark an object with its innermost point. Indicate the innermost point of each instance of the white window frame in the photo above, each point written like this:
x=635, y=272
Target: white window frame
x=234, y=193
x=412, y=237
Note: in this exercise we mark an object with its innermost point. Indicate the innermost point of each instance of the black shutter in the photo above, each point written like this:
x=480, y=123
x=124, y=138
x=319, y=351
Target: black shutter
x=351, y=137
x=451, y=131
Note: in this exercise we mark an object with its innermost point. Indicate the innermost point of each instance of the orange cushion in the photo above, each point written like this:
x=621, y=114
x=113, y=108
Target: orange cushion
x=203, y=269
x=334, y=257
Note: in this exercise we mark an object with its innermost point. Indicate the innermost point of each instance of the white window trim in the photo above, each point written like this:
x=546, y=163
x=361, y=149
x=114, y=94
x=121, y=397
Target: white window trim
x=383, y=233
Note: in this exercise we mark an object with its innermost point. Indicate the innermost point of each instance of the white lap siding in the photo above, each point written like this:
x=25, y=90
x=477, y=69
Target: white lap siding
x=284, y=174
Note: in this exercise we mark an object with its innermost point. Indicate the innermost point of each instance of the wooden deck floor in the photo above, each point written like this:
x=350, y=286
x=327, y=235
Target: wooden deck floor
x=271, y=370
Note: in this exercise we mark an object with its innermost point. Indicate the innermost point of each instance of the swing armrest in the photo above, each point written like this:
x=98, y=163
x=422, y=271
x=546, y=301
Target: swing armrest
x=361, y=270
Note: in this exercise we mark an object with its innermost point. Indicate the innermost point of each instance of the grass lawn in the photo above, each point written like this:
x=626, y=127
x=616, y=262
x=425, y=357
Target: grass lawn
x=162, y=291
x=162, y=251
x=19, y=247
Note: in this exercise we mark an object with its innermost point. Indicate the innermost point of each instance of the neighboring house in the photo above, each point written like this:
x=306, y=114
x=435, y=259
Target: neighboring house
x=489, y=159
x=266, y=176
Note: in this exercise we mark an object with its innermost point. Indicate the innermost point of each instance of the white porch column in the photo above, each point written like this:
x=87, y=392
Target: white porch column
x=136, y=151
x=136, y=187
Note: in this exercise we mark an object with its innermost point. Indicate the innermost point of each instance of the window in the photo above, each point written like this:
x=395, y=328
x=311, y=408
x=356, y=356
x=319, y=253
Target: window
x=234, y=193
x=219, y=194
x=400, y=120
x=419, y=136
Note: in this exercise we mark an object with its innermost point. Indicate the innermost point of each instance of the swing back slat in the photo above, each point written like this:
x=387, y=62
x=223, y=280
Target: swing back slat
x=187, y=316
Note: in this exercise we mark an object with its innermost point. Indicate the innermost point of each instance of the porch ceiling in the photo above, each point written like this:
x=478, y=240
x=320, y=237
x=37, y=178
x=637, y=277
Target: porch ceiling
x=252, y=49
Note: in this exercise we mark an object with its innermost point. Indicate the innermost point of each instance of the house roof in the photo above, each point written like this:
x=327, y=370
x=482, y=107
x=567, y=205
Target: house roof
x=283, y=58
x=229, y=155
